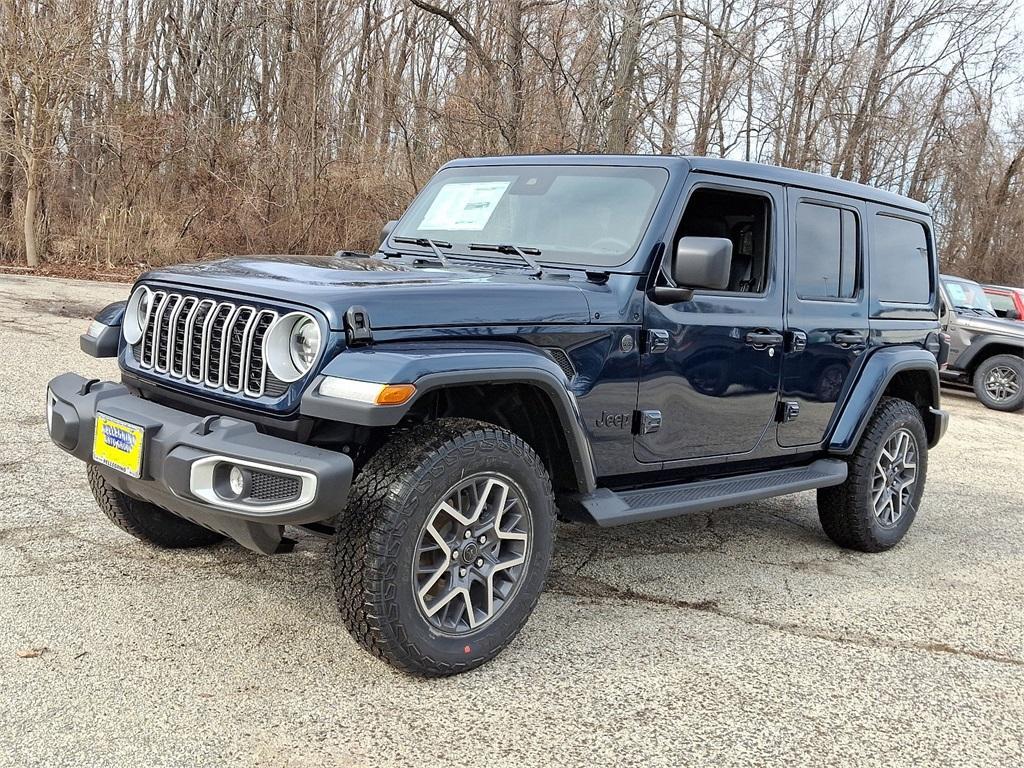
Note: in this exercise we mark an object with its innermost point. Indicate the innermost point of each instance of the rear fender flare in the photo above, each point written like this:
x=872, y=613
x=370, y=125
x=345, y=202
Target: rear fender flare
x=877, y=373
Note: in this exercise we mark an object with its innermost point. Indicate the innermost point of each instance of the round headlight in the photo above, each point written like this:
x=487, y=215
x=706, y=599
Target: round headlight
x=304, y=343
x=292, y=345
x=136, y=314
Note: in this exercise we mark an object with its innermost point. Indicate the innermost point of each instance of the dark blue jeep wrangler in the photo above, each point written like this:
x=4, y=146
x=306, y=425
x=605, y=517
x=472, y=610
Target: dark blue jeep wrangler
x=615, y=339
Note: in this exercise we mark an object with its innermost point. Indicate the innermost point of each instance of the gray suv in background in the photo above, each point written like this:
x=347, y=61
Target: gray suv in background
x=986, y=352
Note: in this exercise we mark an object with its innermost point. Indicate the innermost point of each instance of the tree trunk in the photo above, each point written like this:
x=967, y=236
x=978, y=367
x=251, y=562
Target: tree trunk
x=619, y=123
x=6, y=164
x=31, y=204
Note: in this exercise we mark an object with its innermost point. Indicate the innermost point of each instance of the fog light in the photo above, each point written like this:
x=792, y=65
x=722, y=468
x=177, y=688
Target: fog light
x=236, y=480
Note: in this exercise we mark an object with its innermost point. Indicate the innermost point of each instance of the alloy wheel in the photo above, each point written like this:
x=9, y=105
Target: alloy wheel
x=472, y=553
x=1002, y=383
x=895, y=477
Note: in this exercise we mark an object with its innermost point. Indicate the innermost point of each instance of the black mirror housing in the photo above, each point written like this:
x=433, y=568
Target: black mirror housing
x=703, y=262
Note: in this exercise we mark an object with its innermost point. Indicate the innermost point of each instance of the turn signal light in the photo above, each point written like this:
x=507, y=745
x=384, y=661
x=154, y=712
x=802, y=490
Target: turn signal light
x=396, y=394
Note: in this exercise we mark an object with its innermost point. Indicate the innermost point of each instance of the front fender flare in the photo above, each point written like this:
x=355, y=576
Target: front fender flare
x=108, y=338
x=433, y=366
x=980, y=343
x=878, y=371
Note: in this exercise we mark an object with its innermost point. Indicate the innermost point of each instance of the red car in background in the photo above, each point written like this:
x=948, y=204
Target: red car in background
x=1007, y=302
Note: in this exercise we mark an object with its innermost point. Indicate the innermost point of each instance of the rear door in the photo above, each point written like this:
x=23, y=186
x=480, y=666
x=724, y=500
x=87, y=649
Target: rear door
x=826, y=324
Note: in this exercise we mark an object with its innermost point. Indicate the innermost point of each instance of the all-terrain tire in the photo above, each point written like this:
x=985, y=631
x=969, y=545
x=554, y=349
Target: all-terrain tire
x=1013, y=367
x=847, y=511
x=375, y=547
x=145, y=521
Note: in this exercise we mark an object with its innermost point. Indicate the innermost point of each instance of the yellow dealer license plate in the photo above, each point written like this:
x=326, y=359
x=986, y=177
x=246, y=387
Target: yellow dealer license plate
x=118, y=444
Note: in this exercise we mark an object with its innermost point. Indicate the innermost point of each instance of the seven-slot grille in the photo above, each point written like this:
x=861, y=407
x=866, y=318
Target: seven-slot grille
x=214, y=344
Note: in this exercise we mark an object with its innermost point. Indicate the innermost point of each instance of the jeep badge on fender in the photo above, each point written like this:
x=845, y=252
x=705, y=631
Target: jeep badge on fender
x=616, y=338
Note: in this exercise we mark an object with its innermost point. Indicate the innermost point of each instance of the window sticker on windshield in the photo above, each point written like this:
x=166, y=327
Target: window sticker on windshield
x=464, y=206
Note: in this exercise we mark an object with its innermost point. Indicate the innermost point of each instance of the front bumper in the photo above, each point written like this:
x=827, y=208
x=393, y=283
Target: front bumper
x=181, y=453
x=939, y=423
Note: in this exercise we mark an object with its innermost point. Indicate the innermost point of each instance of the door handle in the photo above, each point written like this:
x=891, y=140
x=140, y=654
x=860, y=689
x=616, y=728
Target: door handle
x=848, y=338
x=764, y=338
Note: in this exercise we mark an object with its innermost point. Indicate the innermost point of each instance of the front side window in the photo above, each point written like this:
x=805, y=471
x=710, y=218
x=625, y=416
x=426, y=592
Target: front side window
x=585, y=215
x=900, y=261
x=740, y=217
x=827, y=244
x=1001, y=303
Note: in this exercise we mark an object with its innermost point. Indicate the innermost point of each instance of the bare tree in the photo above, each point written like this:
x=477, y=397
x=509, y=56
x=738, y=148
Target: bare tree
x=153, y=130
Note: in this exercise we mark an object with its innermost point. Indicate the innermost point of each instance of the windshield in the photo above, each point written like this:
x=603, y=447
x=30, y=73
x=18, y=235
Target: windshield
x=581, y=215
x=966, y=294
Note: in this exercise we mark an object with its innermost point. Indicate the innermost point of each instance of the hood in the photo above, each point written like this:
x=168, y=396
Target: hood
x=395, y=295
x=996, y=325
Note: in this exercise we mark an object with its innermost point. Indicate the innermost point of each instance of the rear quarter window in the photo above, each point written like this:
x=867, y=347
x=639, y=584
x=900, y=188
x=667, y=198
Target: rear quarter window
x=900, y=261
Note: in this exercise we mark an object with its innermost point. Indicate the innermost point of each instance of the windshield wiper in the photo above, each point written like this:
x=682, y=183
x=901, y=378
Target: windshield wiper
x=523, y=253
x=426, y=242
x=976, y=310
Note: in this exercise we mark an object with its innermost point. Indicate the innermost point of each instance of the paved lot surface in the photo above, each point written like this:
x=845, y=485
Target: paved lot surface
x=736, y=638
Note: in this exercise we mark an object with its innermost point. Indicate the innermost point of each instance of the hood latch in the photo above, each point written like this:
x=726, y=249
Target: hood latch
x=357, y=326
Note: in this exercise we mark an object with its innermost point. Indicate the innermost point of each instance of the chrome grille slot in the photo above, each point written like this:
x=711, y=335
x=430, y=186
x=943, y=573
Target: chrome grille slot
x=255, y=370
x=146, y=356
x=216, y=345
x=164, y=318
x=194, y=334
x=178, y=344
x=235, y=353
x=215, y=335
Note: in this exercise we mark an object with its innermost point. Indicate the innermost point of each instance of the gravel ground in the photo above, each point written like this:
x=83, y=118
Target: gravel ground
x=736, y=638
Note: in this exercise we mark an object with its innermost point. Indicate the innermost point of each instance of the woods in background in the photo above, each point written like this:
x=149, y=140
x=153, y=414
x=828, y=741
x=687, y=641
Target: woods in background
x=147, y=131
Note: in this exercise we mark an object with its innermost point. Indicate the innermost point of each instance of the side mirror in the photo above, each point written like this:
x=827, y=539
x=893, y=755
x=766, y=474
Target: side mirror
x=386, y=231
x=1012, y=314
x=703, y=262
x=699, y=262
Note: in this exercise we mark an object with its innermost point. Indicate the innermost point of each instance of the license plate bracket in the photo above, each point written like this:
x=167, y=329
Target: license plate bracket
x=118, y=444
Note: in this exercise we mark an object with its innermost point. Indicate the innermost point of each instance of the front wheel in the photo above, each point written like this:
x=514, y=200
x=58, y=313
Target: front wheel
x=874, y=508
x=443, y=549
x=999, y=383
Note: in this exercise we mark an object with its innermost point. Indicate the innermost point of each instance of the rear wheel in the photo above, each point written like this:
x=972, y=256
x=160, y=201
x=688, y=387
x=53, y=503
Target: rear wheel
x=442, y=551
x=145, y=521
x=874, y=508
x=999, y=383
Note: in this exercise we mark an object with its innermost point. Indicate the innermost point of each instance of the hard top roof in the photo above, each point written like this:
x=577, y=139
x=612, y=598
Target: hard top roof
x=735, y=168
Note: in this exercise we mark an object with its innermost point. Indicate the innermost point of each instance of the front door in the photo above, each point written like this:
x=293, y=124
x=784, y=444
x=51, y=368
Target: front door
x=711, y=365
x=826, y=312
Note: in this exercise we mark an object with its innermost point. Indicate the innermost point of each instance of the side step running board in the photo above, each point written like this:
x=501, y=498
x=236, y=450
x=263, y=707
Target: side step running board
x=608, y=507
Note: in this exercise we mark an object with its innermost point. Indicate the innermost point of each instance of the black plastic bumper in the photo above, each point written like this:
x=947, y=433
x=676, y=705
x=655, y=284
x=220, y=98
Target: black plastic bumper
x=940, y=421
x=176, y=444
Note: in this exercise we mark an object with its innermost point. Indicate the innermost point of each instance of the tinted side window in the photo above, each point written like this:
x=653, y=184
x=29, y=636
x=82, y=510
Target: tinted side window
x=1000, y=302
x=900, y=268
x=743, y=218
x=827, y=243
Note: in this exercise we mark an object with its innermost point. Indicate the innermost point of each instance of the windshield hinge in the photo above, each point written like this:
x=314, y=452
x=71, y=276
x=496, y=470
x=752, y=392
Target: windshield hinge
x=357, y=326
